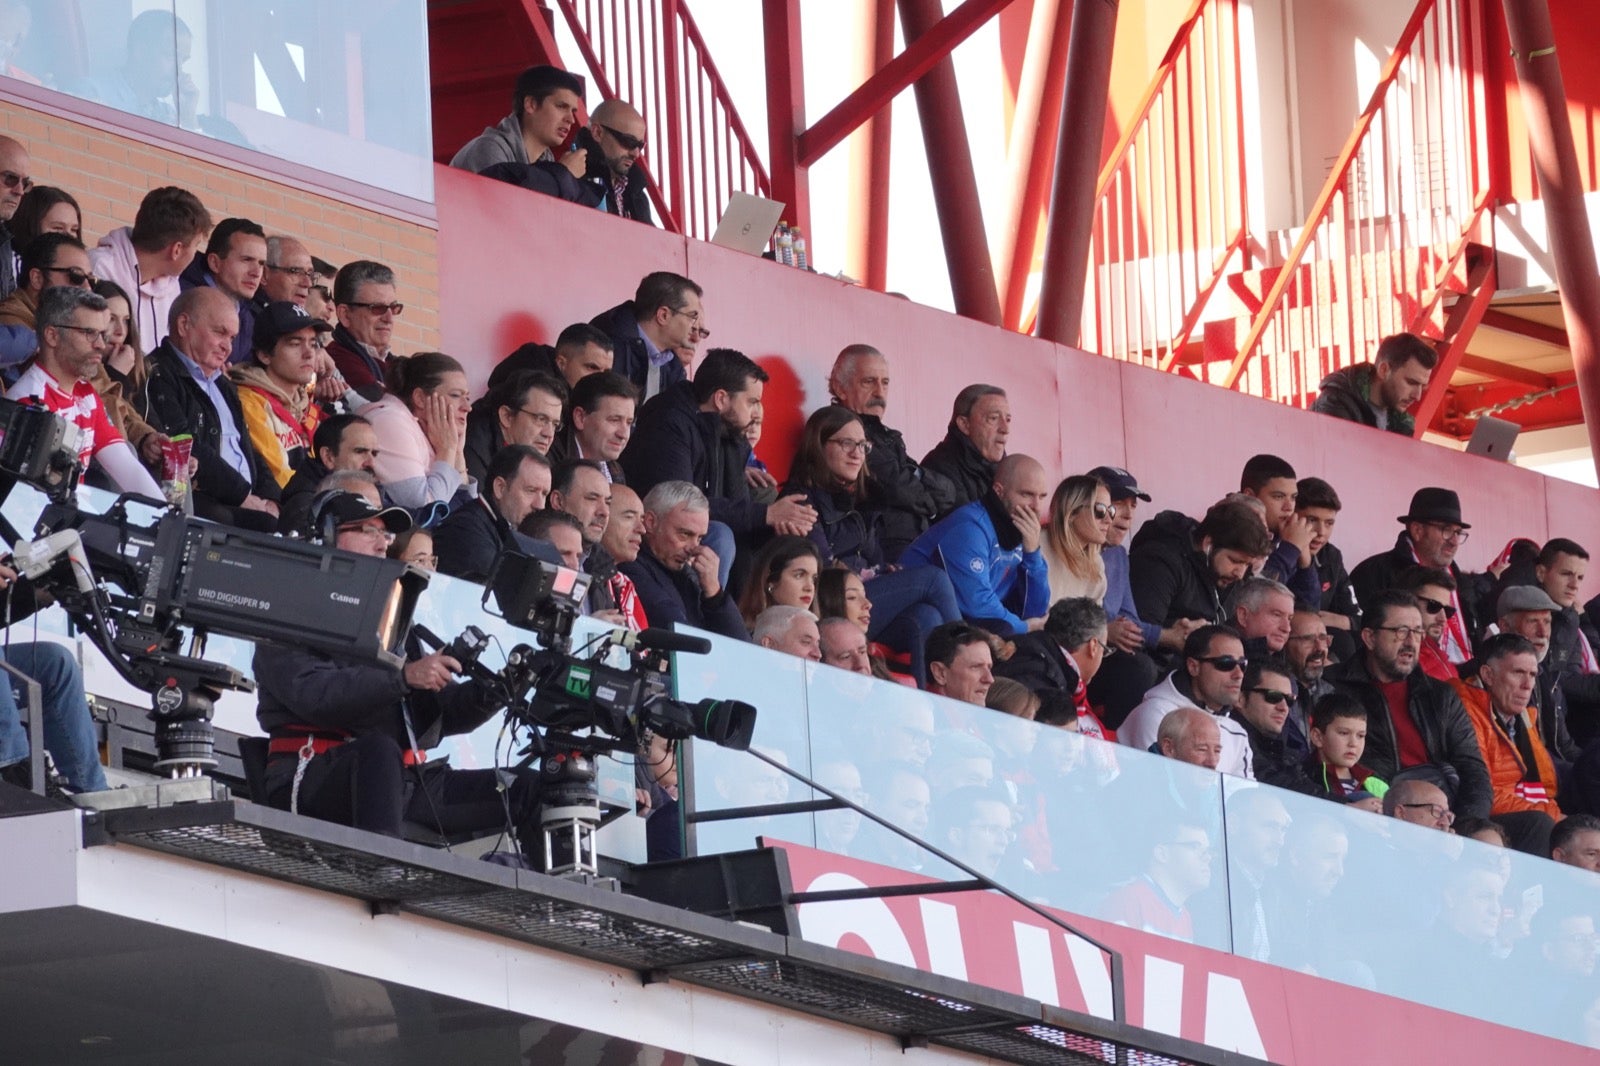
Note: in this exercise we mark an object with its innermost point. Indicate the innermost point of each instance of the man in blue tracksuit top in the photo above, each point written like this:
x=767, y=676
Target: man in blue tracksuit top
x=990, y=550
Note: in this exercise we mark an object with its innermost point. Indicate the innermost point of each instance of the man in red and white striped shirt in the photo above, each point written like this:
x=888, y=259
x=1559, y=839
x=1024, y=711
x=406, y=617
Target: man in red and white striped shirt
x=73, y=327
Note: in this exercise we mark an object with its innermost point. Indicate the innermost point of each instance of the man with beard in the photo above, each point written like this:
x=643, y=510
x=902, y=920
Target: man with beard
x=1412, y=720
x=1433, y=589
x=694, y=432
x=1433, y=533
x=1308, y=655
x=1180, y=569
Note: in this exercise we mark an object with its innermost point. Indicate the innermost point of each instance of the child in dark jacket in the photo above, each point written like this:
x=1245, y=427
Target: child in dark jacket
x=1338, y=738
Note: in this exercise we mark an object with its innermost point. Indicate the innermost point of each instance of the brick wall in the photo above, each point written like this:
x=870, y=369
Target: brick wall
x=109, y=172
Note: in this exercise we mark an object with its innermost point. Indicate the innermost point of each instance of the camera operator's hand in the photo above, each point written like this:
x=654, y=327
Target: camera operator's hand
x=431, y=672
x=703, y=565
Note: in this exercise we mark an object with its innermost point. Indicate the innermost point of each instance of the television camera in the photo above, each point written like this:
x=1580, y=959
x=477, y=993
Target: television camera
x=577, y=706
x=136, y=577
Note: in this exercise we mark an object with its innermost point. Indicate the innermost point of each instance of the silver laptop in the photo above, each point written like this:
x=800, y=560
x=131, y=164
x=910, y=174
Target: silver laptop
x=1492, y=438
x=747, y=223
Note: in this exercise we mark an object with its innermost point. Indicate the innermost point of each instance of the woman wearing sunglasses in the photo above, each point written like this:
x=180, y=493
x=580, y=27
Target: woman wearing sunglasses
x=1080, y=521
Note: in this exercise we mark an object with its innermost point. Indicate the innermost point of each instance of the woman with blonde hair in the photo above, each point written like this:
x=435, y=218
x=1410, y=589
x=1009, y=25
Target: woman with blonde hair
x=1079, y=523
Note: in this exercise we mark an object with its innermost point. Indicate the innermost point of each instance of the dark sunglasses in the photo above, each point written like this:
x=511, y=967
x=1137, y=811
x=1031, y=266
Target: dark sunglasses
x=1434, y=607
x=629, y=142
x=77, y=277
x=1272, y=695
x=1226, y=663
x=379, y=308
x=1105, y=512
x=11, y=179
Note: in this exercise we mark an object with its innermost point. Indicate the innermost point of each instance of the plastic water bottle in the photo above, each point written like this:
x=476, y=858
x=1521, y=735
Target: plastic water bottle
x=800, y=259
x=783, y=245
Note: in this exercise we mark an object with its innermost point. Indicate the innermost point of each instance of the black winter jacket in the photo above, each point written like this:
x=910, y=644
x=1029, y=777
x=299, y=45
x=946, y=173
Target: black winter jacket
x=1446, y=730
x=173, y=403
x=294, y=506
x=676, y=599
x=674, y=440
x=632, y=359
x=955, y=460
x=1273, y=761
x=1378, y=573
x=302, y=690
x=1170, y=577
x=845, y=532
x=1038, y=663
x=483, y=440
x=1343, y=394
x=912, y=497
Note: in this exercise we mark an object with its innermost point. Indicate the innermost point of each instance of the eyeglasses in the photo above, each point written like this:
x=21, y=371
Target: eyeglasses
x=1272, y=695
x=1225, y=663
x=543, y=421
x=852, y=447
x=11, y=179
x=77, y=278
x=1404, y=632
x=307, y=274
x=1105, y=512
x=1449, y=532
x=1434, y=607
x=1435, y=811
x=380, y=308
x=629, y=142
x=692, y=316
x=104, y=336
x=368, y=529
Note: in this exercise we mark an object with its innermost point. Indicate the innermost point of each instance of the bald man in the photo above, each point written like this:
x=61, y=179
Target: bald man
x=16, y=342
x=990, y=549
x=615, y=139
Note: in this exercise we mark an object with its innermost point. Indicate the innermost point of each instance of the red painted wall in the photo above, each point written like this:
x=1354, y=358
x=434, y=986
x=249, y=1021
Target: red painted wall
x=515, y=266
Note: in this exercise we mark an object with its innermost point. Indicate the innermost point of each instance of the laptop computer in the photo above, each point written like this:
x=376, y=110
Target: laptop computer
x=747, y=223
x=1492, y=438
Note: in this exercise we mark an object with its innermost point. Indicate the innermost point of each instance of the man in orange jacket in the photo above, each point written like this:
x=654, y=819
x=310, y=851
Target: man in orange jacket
x=1520, y=768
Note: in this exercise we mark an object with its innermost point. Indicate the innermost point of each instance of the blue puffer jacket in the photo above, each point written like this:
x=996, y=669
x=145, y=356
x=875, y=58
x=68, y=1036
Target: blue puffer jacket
x=980, y=549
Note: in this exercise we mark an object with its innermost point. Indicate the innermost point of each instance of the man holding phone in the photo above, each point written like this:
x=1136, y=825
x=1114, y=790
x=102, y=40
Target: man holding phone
x=613, y=142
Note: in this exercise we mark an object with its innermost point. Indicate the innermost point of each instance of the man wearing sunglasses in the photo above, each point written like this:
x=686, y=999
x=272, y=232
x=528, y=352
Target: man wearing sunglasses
x=1263, y=711
x=1433, y=534
x=1211, y=677
x=50, y=259
x=14, y=182
x=1434, y=590
x=614, y=141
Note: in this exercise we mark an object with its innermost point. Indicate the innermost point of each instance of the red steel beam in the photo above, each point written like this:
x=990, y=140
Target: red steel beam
x=955, y=183
x=920, y=56
x=1506, y=322
x=1516, y=375
x=1072, y=192
x=879, y=144
x=1037, y=151
x=1555, y=161
x=786, y=108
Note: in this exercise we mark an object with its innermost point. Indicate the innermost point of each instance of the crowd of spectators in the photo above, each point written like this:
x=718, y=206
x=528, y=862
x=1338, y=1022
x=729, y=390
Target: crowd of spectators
x=1235, y=641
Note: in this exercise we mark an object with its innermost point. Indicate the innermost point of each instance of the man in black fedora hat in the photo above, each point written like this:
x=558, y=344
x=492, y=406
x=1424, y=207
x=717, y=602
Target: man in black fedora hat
x=1433, y=533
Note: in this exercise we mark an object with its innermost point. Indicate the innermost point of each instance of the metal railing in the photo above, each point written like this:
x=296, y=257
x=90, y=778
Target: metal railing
x=1386, y=238
x=1170, y=213
x=651, y=54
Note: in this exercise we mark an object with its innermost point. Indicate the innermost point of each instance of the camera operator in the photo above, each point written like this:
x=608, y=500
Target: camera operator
x=349, y=739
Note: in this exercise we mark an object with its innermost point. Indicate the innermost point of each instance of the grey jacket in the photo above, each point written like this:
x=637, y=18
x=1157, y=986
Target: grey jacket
x=500, y=143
